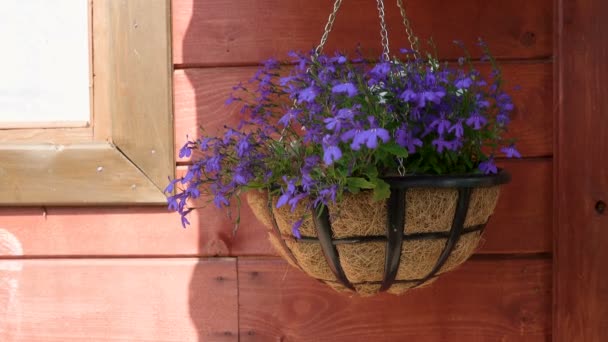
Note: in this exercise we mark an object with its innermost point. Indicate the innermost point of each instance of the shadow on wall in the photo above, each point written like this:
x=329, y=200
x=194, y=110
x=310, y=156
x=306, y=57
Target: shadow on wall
x=212, y=240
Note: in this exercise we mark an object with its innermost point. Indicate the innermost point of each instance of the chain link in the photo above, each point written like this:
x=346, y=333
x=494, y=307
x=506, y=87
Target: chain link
x=328, y=27
x=401, y=167
x=383, y=31
x=408, y=29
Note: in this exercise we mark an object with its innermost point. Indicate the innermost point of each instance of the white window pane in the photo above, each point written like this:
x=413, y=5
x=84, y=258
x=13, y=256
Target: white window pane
x=44, y=62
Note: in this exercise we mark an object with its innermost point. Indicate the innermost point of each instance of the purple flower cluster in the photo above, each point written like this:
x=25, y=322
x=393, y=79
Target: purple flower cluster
x=335, y=124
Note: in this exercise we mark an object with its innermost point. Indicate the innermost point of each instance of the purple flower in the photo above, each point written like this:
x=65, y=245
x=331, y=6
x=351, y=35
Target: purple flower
x=345, y=114
x=464, y=83
x=441, y=144
x=213, y=164
x=347, y=88
x=488, y=166
x=295, y=229
x=308, y=94
x=408, y=95
x=331, y=154
x=326, y=196
x=243, y=146
x=405, y=139
x=457, y=129
x=186, y=150
x=171, y=186
x=288, y=193
x=476, y=121
x=283, y=81
x=502, y=119
x=432, y=96
x=219, y=200
x=369, y=138
x=292, y=114
x=380, y=70
x=510, y=152
x=441, y=124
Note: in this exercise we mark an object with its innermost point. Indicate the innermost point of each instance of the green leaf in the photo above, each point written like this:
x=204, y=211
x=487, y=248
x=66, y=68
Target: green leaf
x=394, y=149
x=371, y=171
x=360, y=183
x=382, y=190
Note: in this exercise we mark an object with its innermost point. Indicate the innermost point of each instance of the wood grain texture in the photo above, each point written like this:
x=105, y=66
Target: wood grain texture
x=506, y=300
x=73, y=174
x=118, y=300
x=136, y=75
x=581, y=178
x=133, y=231
x=200, y=96
x=102, y=75
x=59, y=136
x=244, y=32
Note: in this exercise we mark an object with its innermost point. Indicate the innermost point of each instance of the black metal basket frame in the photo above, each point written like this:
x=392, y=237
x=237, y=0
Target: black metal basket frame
x=396, y=226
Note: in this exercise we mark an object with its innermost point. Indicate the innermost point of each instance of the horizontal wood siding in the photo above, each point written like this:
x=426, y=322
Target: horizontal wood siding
x=218, y=32
x=485, y=300
x=134, y=274
x=200, y=96
x=118, y=300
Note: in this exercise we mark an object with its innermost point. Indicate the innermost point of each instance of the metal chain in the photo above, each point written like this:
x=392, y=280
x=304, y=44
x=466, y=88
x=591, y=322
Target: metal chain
x=328, y=27
x=383, y=31
x=408, y=29
x=401, y=167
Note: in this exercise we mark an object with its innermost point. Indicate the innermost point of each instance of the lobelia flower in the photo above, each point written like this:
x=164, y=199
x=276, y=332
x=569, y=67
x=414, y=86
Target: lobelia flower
x=457, y=129
x=308, y=94
x=488, y=166
x=430, y=96
x=405, y=139
x=441, y=124
x=295, y=229
x=347, y=88
x=476, y=121
x=370, y=138
x=441, y=144
x=510, y=152
x=331, y=154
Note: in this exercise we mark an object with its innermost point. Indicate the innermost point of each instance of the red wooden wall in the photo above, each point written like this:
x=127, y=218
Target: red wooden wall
x=131, y=274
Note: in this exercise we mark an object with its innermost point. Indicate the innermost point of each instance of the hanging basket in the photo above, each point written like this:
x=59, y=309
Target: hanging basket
x=428, y=226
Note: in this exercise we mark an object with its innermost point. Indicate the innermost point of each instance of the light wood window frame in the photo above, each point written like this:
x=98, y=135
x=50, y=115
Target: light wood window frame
x=127, y=154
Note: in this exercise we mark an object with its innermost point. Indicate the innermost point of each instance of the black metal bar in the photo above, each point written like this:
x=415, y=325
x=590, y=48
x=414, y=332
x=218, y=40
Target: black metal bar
x=394, y=236
x=323, y=227
x=457, y=181
x=462, y=207
x=382, y=238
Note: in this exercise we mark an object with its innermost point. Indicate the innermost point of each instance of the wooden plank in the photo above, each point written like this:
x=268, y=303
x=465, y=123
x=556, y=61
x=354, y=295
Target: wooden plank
x=200, y=95
x=581, y=182
x=71, y=175
x=132, y=231
x=485, y=300
x=245, y=32
x=134, y=81
x=59, y=136
x=522, y=220
x=118, y=300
